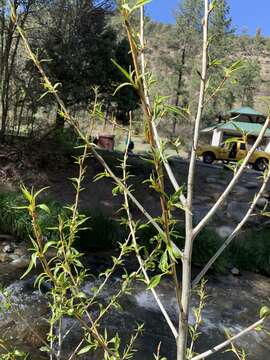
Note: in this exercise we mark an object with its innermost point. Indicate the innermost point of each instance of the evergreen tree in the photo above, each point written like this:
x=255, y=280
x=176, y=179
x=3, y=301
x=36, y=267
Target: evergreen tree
x=221, y=31
x=187, y=33
x=80, y=43
x=259, y=42
x=220, y=54
x=248, y=79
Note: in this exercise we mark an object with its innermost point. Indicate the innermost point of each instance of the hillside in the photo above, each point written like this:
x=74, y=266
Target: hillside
x=163, y=52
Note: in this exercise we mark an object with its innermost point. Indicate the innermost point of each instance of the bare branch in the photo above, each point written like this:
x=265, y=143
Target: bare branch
x=228, y=342
x=235, y=231
x=234, y=180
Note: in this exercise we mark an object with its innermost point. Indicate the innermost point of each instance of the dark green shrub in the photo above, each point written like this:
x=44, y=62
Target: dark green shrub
x=65, y=139
x=13, y=221
x=17, y=222
x=251, y=251
x=102, y=233
x=205, y=246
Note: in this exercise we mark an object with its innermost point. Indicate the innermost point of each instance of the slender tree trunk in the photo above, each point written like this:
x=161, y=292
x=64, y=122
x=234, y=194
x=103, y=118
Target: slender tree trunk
x=5, y=76
x=4, y=85
x=8, y=56
x=179, y=85
x=186, y=275
x=3, y=124
x=20, y=116
x=2, y=34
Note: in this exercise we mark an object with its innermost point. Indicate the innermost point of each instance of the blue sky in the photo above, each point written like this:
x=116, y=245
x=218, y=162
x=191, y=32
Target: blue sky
x=248, y=14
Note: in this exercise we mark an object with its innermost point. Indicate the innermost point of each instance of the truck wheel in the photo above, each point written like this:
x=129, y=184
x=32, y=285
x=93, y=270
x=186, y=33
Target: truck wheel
x=261, y=164
x=208, y=158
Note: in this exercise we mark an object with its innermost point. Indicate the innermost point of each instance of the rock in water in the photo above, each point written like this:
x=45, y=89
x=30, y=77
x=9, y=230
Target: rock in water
x=224, y=231
x=261, y=203
x=235, y=271
x=4, y=258
x=21, y=262
x=8, y=249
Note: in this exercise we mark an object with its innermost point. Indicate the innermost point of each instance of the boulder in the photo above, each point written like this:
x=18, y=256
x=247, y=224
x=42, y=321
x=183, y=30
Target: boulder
x=4, y=257
x=211, y=180
x=201, y=200
x=216, y=181
x=215, y=195
x=261, y=203
x=20, y=251
x=8, y=249
x=7, y=237
x=235, y=271
x=266, y=195
x=21, y=262
x=200, y=211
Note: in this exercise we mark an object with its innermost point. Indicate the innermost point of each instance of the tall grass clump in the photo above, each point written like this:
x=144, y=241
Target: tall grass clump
x=18, y=223
x=101, y=232
x=251, y=251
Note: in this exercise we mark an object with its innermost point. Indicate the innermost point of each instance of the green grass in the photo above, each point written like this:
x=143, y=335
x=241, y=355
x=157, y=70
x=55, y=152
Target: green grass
x=17, y=222
x=102, y=232
x=251, y=251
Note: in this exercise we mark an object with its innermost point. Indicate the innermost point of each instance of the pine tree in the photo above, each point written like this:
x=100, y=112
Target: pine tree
x=80, y=45
x=221, y=31
x=248, y=80
x=220, y=51
x=188, y=28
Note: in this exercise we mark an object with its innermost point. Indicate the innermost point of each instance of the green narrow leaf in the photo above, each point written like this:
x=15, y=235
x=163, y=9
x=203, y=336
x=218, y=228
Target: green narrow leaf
x=81, y=295
x=44, y=349
x=44, y=207
x=236, y=65
x=47, y=245
x=84, y=350
x=27, y=195
x=123, y=71
x=40, y=191
x=163, y=265
x=264, y=312
x=139, y=4
x=32, y=263
x=177, y=253
x=121, y=86
x=154, y=281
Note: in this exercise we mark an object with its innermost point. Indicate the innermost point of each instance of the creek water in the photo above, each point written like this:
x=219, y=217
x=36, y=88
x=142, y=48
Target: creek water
x=233, y=303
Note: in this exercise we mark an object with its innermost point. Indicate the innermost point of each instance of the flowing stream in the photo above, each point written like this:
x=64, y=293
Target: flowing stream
x=233, y=303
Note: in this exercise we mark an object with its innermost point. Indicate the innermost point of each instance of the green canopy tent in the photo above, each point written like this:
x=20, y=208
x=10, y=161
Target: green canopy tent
x=242, y=121
x=246, y=114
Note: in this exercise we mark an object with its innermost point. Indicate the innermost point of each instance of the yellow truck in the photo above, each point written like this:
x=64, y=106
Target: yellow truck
x=232, y=152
